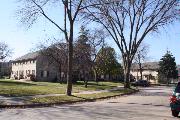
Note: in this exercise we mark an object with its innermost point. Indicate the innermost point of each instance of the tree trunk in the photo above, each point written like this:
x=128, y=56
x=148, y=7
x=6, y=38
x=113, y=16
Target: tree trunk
x=127, y=74
x=60, y=74
x=95, y=75
x=70, y=59
x=69, y=75
x=86, y=80
x=109, y=77
x=140, y=68
x=137, y=77
x=167, y=81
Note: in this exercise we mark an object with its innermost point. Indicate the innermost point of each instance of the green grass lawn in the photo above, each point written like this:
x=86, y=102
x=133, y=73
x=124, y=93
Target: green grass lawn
x=64, y=98
x=16, y=88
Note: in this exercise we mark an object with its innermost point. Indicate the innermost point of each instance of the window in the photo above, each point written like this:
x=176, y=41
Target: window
x=47, y=73
x=41, y=73
x=33, y=72
x=22, y=72
x=153, y=77
x=44, y=73
x=62, y=74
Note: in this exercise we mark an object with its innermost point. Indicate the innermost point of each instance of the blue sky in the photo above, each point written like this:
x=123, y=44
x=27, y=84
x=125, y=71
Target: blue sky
x=23, y=41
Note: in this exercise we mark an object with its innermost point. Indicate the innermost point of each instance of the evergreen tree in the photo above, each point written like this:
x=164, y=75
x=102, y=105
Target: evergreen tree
x=167, y=68
x=83, y=35
x=82, y=55
x=107, y=63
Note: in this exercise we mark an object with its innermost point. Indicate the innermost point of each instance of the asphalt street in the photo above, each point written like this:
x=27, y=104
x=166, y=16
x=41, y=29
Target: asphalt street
x=151, y=103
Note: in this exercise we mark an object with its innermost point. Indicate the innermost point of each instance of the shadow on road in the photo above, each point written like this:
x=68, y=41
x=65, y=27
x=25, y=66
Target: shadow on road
x=146, y=104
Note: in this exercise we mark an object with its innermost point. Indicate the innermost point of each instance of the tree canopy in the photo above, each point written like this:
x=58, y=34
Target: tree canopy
x=82, y=52
x=167, y=67
x=128, y=22
x=106, y=62
x=5, y=51
x=32, y=10
x=141, y=56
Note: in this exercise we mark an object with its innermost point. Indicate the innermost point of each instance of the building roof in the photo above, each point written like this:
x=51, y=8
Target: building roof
x=146, y=66
x=29, y=56
x=34, y=55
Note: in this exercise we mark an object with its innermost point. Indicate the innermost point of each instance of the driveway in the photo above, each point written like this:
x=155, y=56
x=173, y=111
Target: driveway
x=150, y=103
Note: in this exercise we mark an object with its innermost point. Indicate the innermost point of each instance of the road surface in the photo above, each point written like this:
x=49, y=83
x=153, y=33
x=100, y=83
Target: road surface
x=150, y=103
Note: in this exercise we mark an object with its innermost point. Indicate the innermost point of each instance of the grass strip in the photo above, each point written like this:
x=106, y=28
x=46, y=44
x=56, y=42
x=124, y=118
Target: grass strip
x=13, y=88
x=79, y=97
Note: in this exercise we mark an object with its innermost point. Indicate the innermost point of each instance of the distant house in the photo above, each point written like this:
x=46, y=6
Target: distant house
x=40, y=67
x=34, y=65
x=149, y=71
x=5, y=69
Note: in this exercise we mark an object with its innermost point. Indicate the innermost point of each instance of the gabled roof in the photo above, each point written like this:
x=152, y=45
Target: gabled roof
x=34, y=55
x=146, y=66
x=29, y=56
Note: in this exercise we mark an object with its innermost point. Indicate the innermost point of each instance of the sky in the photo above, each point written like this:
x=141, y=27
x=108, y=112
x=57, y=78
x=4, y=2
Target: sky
x=22, y=40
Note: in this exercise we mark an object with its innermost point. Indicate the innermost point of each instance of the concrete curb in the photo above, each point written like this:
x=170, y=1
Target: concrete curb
x=40, y=105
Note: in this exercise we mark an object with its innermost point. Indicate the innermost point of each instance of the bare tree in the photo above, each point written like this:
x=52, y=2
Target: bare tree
x=129, y=21
x=5, y=51
x=96, y=41
x=33, y=9
x=141, y=56
x=56, y=53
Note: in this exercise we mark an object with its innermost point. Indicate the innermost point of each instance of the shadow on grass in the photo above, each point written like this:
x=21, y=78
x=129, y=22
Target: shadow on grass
x=98, y=85
x=79, y=97
x=16, y=83
x=95, y=83
x=103, y=95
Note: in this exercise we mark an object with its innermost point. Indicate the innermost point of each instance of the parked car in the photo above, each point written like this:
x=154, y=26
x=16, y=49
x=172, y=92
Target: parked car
x=175, y=101
x=143, y=83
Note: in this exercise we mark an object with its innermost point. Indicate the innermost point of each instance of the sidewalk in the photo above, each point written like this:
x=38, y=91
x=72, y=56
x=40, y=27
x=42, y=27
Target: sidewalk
x=20, y=100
